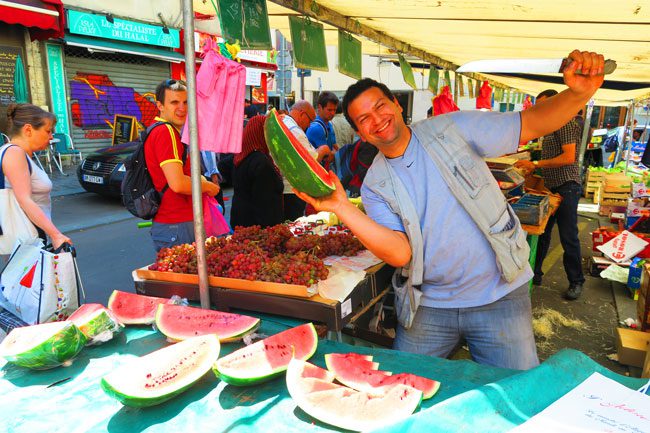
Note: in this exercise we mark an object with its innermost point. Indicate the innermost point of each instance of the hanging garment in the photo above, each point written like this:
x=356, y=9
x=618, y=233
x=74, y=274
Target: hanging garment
x=220, y=113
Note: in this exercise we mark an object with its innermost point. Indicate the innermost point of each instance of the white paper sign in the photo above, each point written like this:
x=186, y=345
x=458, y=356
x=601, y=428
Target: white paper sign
x=623, y=247
x=598, y=404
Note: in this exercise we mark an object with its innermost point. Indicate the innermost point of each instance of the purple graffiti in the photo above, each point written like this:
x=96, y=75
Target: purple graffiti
x=98, y=104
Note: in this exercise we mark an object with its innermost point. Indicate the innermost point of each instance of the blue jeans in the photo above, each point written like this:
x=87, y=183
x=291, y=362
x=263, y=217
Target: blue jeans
x=567, y=224
x=168, y=235
x=499, y=334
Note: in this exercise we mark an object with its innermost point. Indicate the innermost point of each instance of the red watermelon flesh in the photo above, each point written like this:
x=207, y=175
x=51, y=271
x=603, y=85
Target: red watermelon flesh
x=428, y=386
x=355, y=359
x=267, y=358
x=132, y=309
x=178, y=323
x=84, y=310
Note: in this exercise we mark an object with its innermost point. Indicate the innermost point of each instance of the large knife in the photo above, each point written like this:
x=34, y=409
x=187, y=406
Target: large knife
x=526, y=66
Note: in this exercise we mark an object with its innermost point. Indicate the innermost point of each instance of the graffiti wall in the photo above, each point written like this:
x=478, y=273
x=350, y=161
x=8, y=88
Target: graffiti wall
x=96, y=100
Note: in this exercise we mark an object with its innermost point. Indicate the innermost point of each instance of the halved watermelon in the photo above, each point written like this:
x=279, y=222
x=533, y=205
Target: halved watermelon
x=96, y=322
x=267, y=358
x=178, y=322
x=350, y=372
x=346, y=408
x=163, y=374
x=133, y=309
x=350, y=359
x=302, y=171
x=43, y=346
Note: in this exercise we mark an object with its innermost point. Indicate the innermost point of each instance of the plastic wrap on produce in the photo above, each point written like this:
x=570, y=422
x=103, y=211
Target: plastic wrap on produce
x=360, y=262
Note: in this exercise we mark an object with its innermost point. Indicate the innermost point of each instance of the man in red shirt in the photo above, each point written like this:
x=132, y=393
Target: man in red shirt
x=169, y=168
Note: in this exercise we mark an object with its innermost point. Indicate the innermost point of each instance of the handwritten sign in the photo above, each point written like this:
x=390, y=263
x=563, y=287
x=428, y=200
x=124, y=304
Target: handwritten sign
x=623, y=247
x=7, y=66
x=125, y=129
x=598, y=404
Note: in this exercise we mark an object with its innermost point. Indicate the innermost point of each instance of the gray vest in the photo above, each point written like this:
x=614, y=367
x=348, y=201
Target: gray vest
x=470, y=181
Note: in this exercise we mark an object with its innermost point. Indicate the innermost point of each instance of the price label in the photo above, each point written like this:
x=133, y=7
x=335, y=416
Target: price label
x=346, y=308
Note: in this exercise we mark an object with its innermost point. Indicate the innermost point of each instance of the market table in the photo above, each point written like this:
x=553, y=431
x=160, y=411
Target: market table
x=334, y=314
x=472, y=397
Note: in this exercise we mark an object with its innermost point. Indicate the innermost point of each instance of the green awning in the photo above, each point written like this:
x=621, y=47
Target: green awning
x=106, y=45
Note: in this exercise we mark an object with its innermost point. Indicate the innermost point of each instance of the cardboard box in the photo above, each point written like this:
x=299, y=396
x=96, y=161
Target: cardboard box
x=634, y=277
x=636, y=205
x=632, y=346
x=643, y=311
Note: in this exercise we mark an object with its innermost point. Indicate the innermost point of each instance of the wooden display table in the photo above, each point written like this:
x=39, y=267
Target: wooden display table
x=334, y=314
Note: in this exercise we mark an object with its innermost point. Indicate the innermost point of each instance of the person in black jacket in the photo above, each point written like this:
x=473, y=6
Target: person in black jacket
x=257, y=197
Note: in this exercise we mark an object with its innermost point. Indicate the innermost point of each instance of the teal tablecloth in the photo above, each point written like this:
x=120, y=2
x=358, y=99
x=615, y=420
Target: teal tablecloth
x=472, y=397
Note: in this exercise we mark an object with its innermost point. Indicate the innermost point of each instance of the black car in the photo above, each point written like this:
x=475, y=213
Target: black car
x=102, y=171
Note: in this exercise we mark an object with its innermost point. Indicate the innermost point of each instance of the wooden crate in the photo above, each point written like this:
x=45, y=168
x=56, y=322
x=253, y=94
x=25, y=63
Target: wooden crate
x=595, y=176
x=617, y=183
x=606, y=198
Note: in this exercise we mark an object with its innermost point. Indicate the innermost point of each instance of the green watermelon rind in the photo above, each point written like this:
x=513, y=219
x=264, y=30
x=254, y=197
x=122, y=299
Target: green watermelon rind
x=53, y=352
x=131, y=401
x=142, y=401
x=286, y=151
x=99, y=323
x=254, y=380
x=229, y=339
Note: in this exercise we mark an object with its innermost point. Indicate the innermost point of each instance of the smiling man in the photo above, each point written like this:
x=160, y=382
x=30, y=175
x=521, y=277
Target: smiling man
x=435, y=212
x=169, y=168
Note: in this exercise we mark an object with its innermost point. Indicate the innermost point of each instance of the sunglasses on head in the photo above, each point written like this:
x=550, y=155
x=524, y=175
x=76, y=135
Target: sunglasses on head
x=171, y=82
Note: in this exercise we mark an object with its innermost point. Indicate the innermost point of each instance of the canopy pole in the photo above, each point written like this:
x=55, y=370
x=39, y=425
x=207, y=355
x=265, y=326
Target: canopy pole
x=585, y=134
x=627, y=135
x=195, y=156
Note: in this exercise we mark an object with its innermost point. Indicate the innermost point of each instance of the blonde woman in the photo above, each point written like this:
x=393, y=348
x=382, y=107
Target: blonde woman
x=30, y=129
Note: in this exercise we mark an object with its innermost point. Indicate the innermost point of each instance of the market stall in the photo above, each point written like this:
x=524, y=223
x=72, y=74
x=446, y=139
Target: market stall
x=471, y=396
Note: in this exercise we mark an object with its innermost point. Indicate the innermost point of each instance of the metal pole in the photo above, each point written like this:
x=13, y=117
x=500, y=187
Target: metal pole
x=585, y=134
x=627, y=135
x=195, y=156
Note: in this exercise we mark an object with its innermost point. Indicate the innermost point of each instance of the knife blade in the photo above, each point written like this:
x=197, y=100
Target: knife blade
x=526, y=66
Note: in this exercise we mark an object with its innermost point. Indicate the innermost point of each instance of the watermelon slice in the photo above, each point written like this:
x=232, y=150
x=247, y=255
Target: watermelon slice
x=294, y=161
x=350, y=372
x=96, y=322
x=132, y=309
x=178, y=322
x=163, y=374
x=43, y=346
x=354, y=360
x=267, y=358
x=346, y=408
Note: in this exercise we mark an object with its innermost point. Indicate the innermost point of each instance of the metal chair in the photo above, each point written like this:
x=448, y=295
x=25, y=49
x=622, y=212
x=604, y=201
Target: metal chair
x=63, y=146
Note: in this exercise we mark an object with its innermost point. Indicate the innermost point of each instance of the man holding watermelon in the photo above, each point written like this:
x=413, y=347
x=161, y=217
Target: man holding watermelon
x=435, y=212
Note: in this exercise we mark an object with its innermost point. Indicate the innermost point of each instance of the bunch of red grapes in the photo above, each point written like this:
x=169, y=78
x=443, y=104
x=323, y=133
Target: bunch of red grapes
x=271, y=254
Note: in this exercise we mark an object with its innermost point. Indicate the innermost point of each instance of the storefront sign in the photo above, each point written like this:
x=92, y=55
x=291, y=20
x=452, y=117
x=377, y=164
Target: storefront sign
x=8, y=57
x=122, y=30
x=56, y=74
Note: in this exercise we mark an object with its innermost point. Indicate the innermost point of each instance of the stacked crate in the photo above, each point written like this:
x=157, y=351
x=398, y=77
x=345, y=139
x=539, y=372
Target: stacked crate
x=613, y=193
x=594, y=179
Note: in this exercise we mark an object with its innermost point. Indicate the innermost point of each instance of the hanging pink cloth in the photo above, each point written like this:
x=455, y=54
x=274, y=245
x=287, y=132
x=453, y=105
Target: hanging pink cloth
x=218, y=88
x=527, y=103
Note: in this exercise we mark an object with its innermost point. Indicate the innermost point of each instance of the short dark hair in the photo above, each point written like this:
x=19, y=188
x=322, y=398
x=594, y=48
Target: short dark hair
x=171, y=84
x=325, y=98
x=358, y=88
x=19, y=115
x=547, y=93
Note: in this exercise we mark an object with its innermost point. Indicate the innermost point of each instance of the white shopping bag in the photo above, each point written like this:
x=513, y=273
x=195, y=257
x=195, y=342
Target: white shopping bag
x=39, y=286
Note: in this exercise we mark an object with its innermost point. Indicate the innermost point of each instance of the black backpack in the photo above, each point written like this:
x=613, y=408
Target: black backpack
x=139, y=195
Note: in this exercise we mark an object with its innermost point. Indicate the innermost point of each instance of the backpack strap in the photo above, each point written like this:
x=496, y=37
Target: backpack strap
x=2, y=157
x=144, y=135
